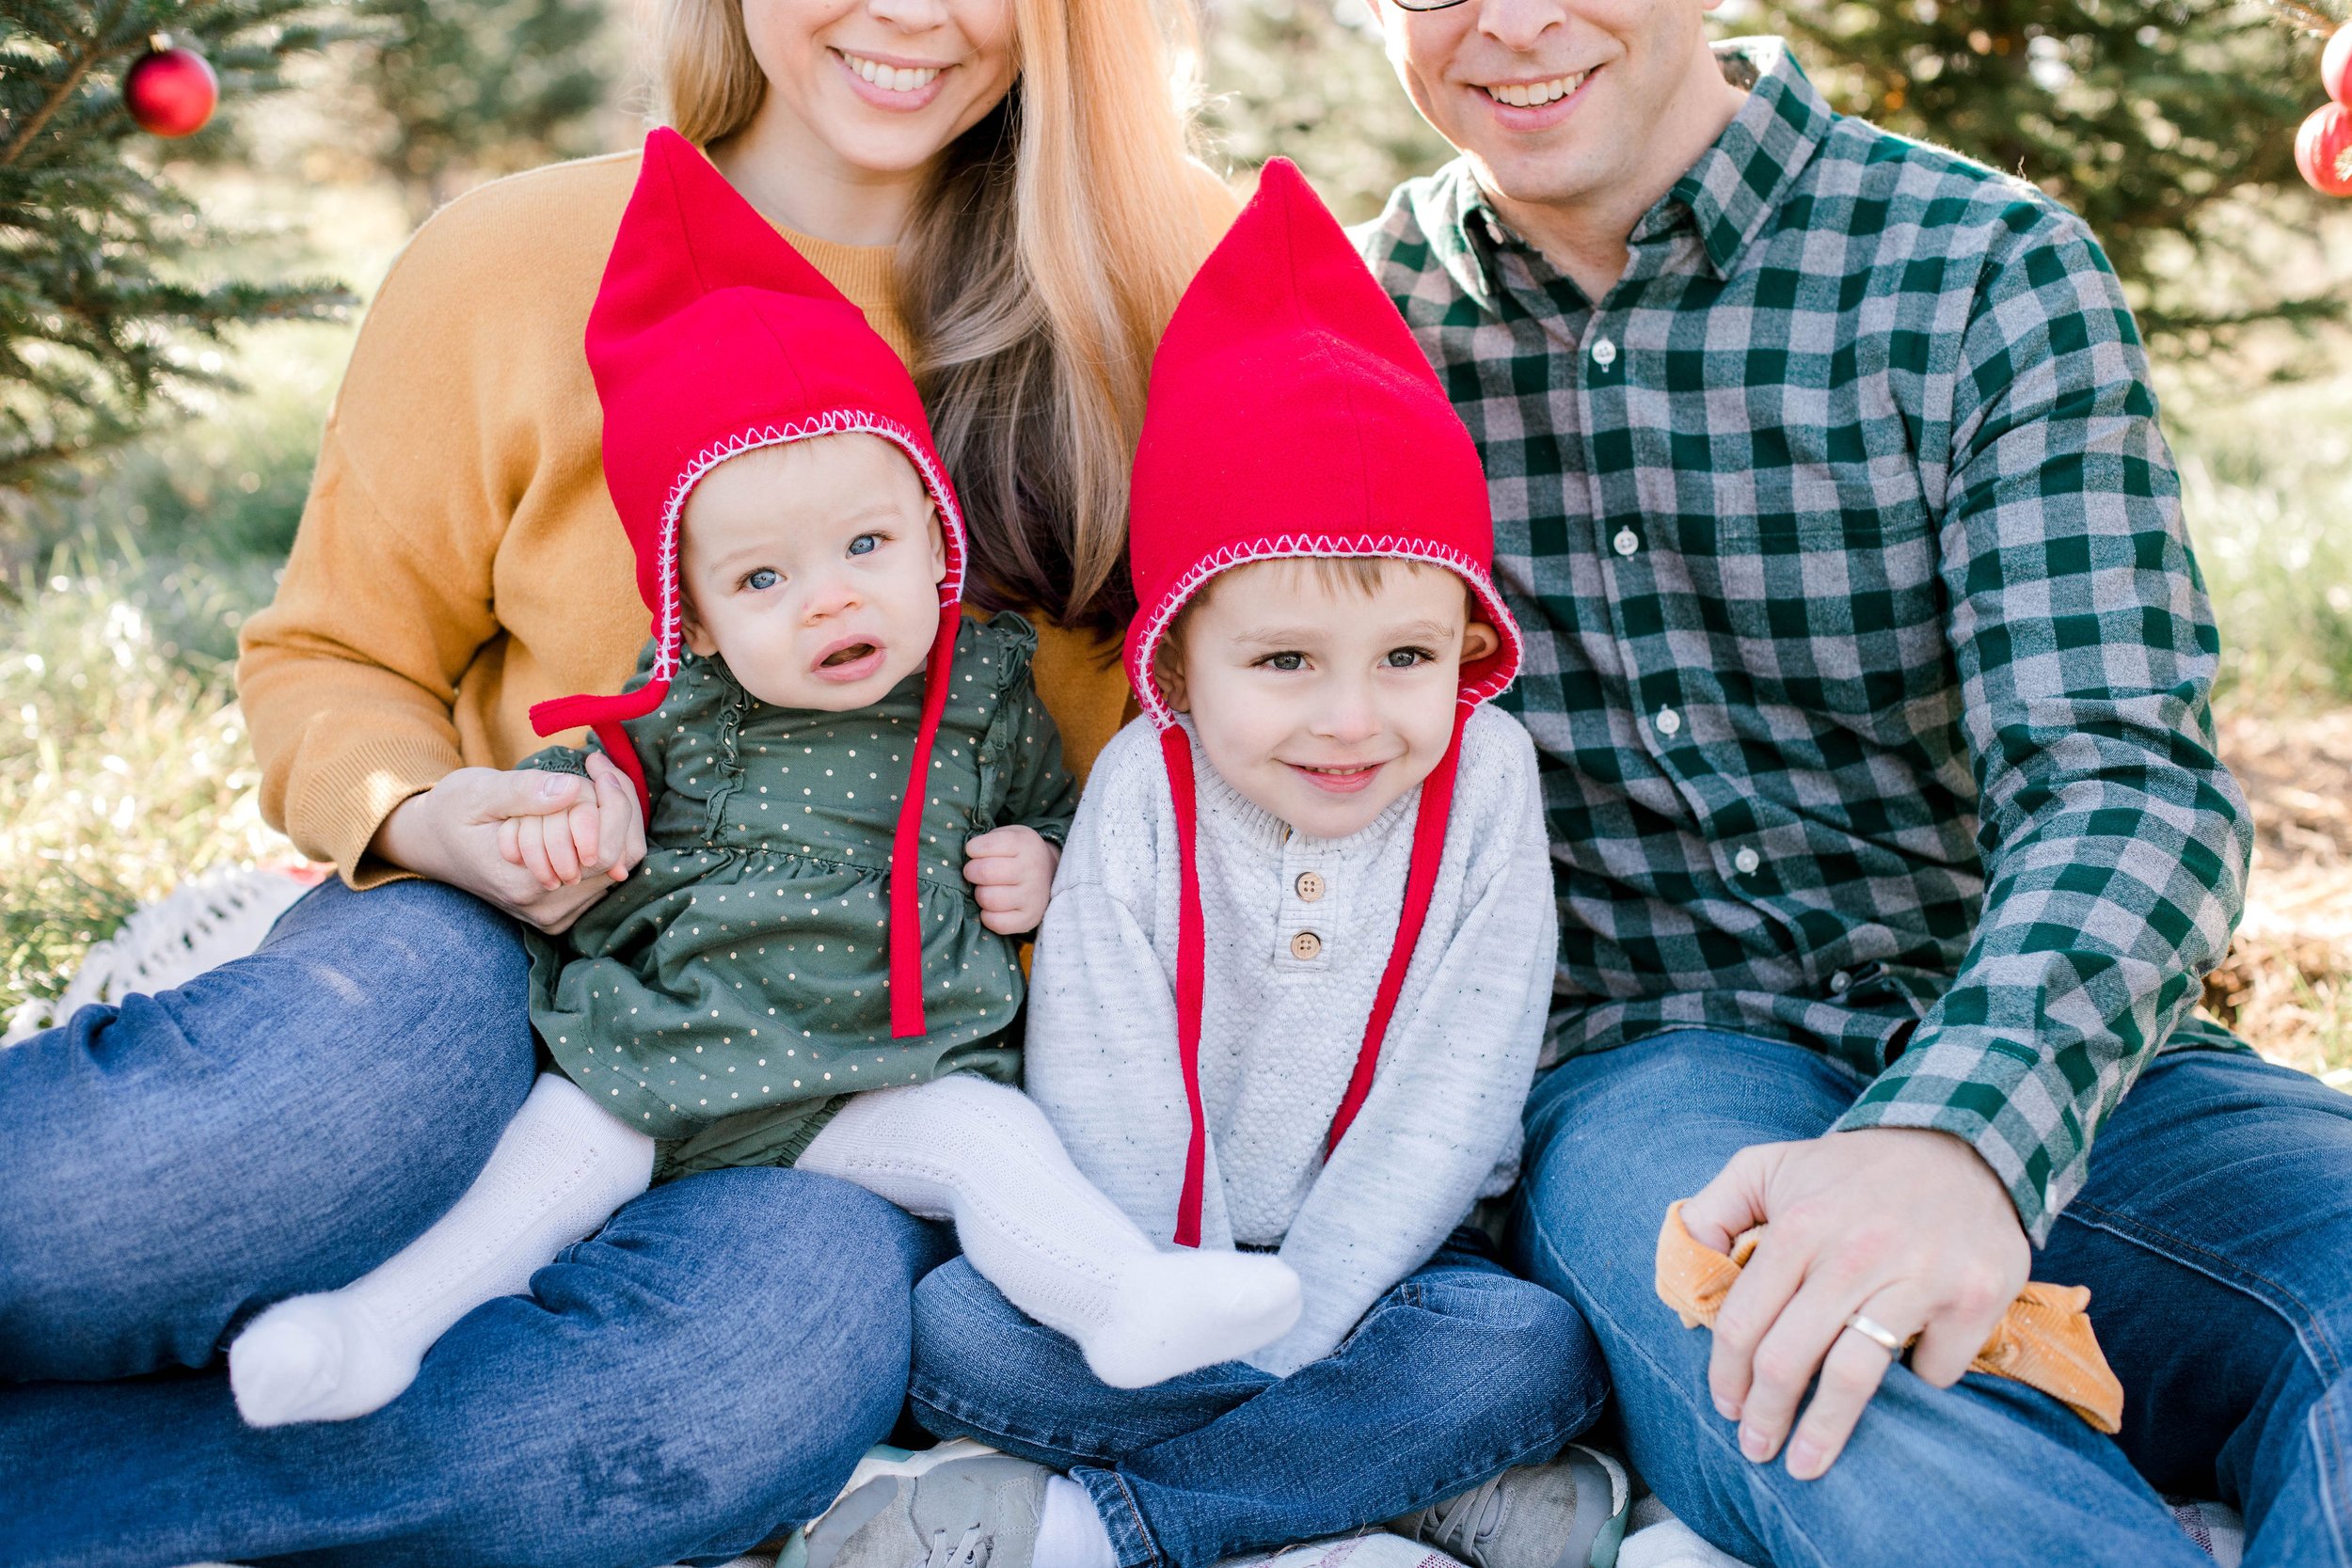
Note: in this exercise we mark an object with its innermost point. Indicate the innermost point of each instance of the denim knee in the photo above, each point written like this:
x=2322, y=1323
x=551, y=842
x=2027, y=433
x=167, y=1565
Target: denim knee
x=1523, y=1347
x=281, y=1123
x=703, y=1372
x=959, y=1320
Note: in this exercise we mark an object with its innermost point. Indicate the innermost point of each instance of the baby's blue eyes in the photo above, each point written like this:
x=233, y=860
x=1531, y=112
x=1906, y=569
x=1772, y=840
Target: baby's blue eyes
x=1405, y=658
x=761, y=579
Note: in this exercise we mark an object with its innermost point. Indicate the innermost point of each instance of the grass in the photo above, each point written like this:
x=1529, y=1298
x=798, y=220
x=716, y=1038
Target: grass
x=127, y=769
x=2267, y=486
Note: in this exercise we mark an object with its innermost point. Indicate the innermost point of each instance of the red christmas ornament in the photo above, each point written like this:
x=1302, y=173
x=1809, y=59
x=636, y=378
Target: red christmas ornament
x=2323, y=150
x=170, y=91
x=2335, y=65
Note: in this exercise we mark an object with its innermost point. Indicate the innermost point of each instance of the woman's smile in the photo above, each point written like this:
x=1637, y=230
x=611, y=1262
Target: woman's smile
x=889, y=83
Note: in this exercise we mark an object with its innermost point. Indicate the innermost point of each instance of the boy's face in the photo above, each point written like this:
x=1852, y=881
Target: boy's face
x=1320, y=703
x=812, y=569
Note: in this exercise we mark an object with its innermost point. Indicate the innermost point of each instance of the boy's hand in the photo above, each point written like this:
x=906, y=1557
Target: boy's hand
x=1013, y=869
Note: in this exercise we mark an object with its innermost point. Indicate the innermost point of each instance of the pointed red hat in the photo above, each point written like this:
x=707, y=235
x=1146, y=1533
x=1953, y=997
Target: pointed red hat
x=712, y=336
x=1292, y=414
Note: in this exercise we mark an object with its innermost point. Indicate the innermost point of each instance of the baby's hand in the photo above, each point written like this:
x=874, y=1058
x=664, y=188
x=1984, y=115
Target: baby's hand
x=1013, y=868
x=554, y=847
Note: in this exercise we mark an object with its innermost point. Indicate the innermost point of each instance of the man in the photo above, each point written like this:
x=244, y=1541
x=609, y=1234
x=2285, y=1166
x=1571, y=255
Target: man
x=1869, y=666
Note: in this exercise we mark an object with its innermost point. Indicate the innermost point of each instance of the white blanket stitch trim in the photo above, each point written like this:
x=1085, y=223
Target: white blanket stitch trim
x=839, y=421
x=1290, y=544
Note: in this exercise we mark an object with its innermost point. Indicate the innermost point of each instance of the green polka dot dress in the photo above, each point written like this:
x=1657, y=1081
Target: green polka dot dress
x=726, y=994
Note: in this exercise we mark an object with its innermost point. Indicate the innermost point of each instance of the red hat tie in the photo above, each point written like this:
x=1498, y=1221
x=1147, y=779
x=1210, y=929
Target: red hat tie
x=1291, y=414
x=712, y=336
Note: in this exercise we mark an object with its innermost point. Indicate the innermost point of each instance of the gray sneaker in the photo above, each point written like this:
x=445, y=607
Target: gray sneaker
x=962, y=1506
x=1569, y=1513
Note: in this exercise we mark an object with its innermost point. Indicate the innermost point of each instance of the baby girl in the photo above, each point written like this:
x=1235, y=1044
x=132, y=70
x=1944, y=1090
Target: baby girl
x=852, y=805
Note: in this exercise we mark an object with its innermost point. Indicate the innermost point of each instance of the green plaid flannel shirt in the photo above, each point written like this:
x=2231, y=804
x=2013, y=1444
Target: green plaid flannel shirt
x=1865, y=655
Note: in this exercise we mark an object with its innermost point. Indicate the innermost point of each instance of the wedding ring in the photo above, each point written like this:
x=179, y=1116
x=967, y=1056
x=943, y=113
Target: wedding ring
x=1878, y=1333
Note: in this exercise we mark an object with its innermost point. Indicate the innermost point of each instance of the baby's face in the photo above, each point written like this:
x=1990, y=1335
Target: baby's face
x=812, y=569
x=1320, y=703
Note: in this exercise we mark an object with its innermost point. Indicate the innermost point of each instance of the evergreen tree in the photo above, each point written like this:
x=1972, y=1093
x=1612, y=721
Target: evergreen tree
x=1305, y=80
x=475, y=87
x=104, y=309
x=2166, y=123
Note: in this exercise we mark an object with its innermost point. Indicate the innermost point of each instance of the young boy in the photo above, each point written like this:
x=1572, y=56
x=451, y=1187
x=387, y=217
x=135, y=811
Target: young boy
x=1290, y=992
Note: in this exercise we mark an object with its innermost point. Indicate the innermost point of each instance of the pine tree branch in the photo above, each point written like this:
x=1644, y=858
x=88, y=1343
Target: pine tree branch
x=92, y=52
x=2303, y=18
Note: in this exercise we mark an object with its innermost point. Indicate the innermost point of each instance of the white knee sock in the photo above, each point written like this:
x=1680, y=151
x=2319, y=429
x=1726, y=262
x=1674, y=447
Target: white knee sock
x=1070, y=1532
x=984, y=1156
x=559, y=1170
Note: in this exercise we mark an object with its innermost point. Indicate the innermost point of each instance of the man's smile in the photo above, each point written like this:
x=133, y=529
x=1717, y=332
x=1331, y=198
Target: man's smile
x=1535, y=95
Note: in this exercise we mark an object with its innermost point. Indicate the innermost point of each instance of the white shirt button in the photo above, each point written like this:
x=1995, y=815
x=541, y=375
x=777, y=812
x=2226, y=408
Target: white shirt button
x=1626, y=541
x=1604, y=353
x=1747, y=861
x=1839, y=981
x=1668, y=721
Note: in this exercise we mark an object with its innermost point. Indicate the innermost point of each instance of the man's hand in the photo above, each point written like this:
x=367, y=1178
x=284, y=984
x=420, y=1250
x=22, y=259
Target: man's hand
x=542, y=846
x=1013, y=869
x=1908, y=1227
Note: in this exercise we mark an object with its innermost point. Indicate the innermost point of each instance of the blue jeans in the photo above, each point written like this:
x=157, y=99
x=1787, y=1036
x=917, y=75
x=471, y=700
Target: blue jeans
x=2214, y=1233
x=706, y=1368
x=1454, y=1375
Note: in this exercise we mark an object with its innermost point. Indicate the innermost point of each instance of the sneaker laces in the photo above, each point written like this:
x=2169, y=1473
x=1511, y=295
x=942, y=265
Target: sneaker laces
x=1461, y=1524
x=970, y=1552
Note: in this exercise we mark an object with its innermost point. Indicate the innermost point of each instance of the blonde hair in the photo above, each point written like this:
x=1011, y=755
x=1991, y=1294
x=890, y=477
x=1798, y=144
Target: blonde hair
x=1036, y=277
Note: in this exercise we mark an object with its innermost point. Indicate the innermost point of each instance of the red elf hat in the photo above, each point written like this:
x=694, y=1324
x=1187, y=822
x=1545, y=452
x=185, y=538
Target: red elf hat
x=712, y=336
x=1292, y=414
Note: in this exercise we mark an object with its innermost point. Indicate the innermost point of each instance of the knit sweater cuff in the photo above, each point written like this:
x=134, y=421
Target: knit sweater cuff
x=343, y=794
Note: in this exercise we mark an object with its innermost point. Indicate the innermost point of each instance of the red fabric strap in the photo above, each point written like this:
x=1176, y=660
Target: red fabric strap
x=906, y=903
x=605, y=715
x=1177, y=751
x=1420, y=881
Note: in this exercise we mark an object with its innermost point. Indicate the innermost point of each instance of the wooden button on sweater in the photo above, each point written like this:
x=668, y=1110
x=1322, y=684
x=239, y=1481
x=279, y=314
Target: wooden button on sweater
x=1305, y=944
x=1310, y=885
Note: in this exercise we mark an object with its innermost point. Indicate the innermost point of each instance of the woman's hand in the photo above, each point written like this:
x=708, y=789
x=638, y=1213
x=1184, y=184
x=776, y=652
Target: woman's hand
x=461, y=831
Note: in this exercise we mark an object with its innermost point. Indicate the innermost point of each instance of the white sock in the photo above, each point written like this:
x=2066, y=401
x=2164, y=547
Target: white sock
x=984, y=1155
x=1070, y=1532
x=559, y=1170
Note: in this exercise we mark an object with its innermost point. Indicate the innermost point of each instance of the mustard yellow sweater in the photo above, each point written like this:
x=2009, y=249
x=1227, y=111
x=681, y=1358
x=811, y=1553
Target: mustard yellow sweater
x=459, y=557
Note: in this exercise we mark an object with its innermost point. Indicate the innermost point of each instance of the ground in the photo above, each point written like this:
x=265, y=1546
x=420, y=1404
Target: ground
x=2287, y=983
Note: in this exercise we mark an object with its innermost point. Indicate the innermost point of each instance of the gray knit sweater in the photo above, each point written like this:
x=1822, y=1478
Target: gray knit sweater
x=1281, y=1032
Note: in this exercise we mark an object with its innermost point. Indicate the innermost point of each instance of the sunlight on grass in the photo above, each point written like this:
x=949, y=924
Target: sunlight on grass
x=127, y=771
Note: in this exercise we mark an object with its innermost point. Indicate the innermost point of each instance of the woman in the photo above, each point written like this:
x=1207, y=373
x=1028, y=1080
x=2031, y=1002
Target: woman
x=1002, y=185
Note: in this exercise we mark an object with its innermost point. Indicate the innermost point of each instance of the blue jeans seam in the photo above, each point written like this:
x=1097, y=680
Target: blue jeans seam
x=960, y=1415
x=1136, y=1529
x=2335, y=1456
x=1594, y=1309
x=1539, y=1452
x=2324, y=1355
